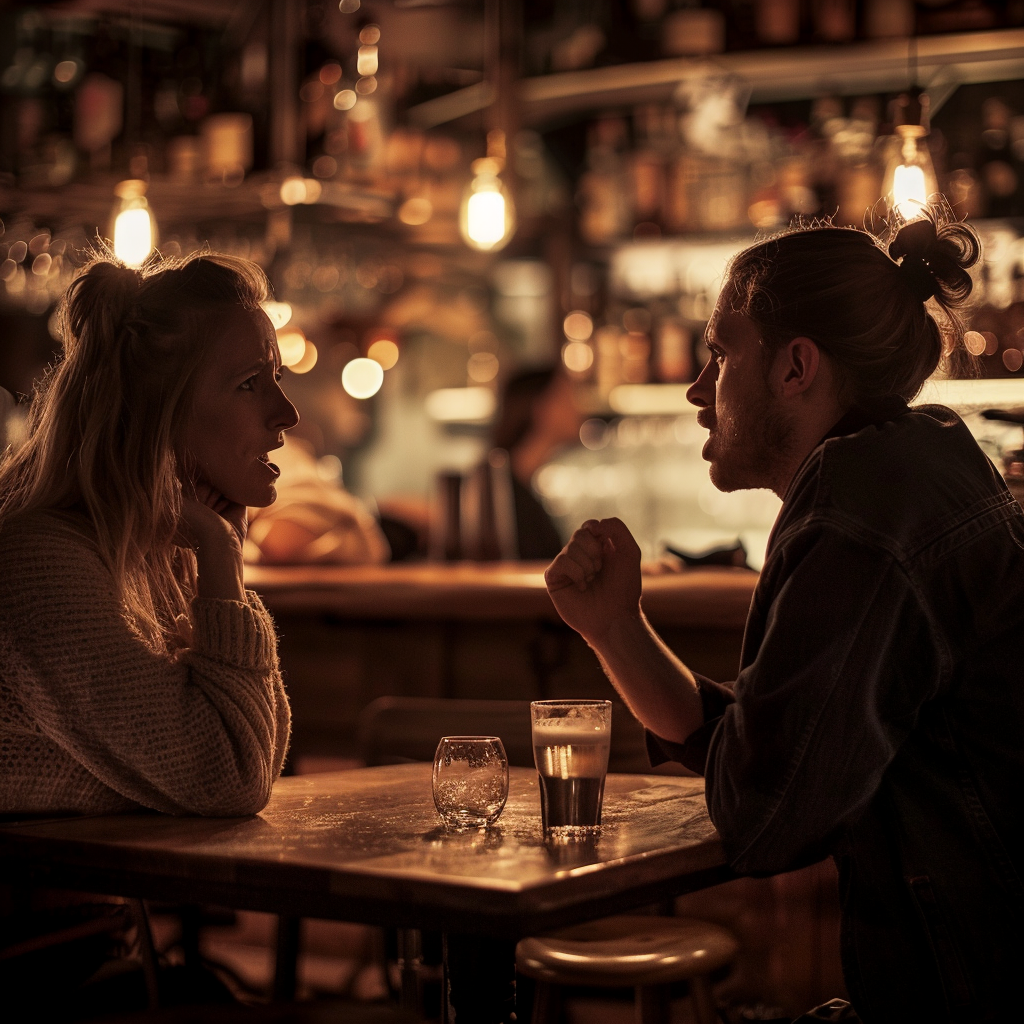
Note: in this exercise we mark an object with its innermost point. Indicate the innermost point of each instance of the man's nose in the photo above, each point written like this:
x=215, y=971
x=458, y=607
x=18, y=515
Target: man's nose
x=701, y=392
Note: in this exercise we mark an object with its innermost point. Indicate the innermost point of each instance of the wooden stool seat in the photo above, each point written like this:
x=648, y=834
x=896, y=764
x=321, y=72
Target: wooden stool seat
x=629, y=951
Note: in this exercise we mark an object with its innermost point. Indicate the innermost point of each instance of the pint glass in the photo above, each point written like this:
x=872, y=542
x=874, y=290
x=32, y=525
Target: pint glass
x=570, y=748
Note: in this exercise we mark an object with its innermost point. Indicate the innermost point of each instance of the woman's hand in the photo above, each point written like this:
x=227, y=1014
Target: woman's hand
x=204, y=515
x=595, y=580
x=214, y=528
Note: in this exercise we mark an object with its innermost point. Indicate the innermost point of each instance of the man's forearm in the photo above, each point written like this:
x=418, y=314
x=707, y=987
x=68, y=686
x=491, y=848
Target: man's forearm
x=656, y=686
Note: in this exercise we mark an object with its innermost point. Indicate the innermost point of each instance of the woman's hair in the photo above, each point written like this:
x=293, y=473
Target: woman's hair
x=862, y=303
x=106, y=422
x=518, y=399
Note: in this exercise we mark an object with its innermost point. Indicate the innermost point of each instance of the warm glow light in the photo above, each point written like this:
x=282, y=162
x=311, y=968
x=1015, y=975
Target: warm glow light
x=385, y=352
x=578, y=326
x=133, y=236
x=345, y=99
x=362, y=378
x=482, y=367
x=415, y=211
x=909, y=192
x=910, y=177
x=460, y=405
x=279, y=312
x=348, y=6
x=487, y=216
x=578, y=356
x=64, y=71
x=292, y=345
x=308, y=360
x=300, y=190
x=975, y=343
x=366, y=60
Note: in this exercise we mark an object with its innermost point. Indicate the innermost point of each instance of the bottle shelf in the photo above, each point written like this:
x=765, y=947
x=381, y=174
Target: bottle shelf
x=943, y=63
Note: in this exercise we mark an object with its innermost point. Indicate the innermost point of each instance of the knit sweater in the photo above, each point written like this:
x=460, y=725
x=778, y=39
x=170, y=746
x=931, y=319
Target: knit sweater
x=93, y=721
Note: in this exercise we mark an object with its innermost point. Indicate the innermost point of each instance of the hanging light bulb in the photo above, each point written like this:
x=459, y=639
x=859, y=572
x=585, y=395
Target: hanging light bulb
x=910, y=176
x=134, y=226
x=487, y=217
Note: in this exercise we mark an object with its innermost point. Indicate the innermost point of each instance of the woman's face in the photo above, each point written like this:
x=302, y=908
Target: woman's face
x=240, y=412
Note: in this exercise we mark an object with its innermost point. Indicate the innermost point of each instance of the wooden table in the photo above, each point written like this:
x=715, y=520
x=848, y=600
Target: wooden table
x=366, y=845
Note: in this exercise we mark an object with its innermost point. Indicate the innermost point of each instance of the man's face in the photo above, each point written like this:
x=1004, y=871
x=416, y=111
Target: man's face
x=749, y=431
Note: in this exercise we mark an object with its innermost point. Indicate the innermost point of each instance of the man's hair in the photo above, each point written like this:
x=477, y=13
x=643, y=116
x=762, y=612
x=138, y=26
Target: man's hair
x=844, y=289
x=106, y=423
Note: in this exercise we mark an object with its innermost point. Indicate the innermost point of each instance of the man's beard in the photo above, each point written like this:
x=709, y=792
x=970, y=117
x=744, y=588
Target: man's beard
x=750, y=449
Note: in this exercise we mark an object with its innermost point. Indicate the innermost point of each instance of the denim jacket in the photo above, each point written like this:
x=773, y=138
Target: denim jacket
x=878, y=715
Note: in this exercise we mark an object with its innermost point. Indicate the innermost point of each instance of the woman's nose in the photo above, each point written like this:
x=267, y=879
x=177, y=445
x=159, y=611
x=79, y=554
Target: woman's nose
x=285, y=415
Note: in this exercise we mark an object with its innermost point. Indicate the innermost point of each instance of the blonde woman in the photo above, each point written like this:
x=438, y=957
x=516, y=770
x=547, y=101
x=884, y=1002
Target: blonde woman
x=135, y=669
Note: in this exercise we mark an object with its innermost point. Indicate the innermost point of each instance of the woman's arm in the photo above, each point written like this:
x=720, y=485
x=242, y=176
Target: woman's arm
x=203, y=734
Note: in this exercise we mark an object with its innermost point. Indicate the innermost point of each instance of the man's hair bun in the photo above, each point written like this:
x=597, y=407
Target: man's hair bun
x=934, y=258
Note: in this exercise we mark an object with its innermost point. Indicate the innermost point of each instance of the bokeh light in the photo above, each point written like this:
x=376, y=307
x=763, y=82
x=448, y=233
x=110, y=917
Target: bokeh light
x=415, y=211
x=362, y=378
x=345, y=99
x=385, y=352
x=292, y=344
x=578, y=356
x=279, y=312
x=308, y=360
x=974, y=342
x=578, y=326
x=482, y=367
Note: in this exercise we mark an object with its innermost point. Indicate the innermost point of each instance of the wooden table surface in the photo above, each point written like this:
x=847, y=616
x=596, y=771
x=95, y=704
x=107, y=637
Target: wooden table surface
x=367, y=845
x=479, y=591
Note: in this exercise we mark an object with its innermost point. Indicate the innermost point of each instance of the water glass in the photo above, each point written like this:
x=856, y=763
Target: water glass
x=571, y=740
x=470, y=781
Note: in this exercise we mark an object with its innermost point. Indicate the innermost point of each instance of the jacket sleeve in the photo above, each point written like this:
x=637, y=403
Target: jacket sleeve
x=205, y=733
x=846, y=660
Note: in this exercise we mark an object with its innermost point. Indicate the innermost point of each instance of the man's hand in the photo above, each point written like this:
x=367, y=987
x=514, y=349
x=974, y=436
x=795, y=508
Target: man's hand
x=595, y=580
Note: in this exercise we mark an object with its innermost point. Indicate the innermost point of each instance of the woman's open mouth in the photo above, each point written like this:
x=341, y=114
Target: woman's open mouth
x=265, y=459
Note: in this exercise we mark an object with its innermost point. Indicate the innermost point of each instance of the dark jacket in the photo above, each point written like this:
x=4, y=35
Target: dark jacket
x=879, y=714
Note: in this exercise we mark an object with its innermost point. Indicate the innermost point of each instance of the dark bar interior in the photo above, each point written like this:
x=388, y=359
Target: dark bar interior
x=365, y=364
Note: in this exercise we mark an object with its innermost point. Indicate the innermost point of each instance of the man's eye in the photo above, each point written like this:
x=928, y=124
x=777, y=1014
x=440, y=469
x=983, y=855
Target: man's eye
x=249, y=384
x=279, y=375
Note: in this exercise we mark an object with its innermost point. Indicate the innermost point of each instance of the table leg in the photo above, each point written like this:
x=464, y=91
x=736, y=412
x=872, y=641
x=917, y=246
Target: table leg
x=286, y=957
x=479, y=980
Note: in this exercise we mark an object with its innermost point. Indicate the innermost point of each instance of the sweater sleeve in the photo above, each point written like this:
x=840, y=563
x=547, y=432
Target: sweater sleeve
x=205, y=733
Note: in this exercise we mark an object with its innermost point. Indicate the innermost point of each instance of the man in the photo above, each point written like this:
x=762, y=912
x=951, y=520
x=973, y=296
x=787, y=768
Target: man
x=879, y=708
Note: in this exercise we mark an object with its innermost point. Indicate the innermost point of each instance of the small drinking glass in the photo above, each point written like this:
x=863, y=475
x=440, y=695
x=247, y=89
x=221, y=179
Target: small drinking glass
x=470, y=781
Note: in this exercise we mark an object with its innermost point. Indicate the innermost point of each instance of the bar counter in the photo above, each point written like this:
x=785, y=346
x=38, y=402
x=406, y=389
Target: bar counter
x=464, y=629
x=482, y=591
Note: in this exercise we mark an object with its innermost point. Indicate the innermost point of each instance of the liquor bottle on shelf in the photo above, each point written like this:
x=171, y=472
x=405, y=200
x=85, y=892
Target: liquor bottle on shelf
x=603, y=194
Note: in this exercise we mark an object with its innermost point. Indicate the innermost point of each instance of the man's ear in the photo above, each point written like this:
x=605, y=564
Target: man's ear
x=796, y=366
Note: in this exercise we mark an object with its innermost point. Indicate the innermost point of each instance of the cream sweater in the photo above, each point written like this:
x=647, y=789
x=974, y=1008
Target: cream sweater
x=92, y=721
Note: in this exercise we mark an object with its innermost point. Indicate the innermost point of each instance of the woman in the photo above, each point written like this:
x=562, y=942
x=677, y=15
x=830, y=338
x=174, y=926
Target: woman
x=135, y=669
x=537, y=418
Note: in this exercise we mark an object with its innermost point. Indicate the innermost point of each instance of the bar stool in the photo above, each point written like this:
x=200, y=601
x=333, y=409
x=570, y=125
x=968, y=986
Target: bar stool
x=647, y=953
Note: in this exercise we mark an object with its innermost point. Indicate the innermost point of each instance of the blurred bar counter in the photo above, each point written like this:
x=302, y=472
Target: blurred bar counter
x=465, y=629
